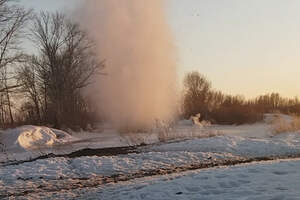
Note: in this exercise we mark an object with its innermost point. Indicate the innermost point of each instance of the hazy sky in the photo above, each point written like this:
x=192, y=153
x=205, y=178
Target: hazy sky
x=247, y=47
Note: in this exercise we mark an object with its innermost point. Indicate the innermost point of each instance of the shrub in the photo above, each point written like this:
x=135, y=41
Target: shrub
x=236, y=115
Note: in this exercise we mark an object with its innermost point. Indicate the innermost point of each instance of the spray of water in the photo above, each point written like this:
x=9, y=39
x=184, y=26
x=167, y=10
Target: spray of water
x=135, y=40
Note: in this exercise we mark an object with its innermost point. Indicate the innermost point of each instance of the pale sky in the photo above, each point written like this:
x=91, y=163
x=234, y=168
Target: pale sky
x=247, y=47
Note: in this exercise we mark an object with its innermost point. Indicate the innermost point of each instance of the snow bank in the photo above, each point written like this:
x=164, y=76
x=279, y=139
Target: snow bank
x=33, y=137
x=235, y=142
x=37, y=137
x=270, y=180
x=162, y=156
x=29, y=142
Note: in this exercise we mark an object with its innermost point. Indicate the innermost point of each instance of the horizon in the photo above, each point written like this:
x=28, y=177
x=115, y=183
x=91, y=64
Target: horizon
x=243, y=48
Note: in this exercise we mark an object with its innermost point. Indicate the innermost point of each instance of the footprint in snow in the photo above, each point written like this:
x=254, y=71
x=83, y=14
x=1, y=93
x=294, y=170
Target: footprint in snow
x=230, y=184
x=243, y=176
x=208, y=187
x=253, y=171
x=279, y=197
x=221, y=176
x=244, y=181
x=192, y=189
x=281, y=188
x=280, y=173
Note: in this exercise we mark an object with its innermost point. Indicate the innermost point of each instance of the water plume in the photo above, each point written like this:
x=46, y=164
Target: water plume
x=135, y=39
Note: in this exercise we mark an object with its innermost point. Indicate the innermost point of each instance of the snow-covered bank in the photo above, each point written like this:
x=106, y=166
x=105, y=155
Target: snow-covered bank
x=280, y=145
x=268, y=180
x=263, y=180
x=32, y=137
x=14, y=176
x=165, y=157
x=196, y=147
x=30, y=142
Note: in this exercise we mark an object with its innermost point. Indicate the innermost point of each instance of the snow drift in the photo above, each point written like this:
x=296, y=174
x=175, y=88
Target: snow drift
x=33, y=137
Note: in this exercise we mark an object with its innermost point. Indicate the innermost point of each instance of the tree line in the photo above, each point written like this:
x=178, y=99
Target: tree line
x=44, y=87
x=217, y=107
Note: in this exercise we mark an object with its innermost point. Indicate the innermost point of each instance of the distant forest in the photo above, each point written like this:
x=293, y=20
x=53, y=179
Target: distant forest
x=217, y=107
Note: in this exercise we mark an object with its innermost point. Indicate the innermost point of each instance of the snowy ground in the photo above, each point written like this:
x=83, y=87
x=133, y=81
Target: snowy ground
x=266, y=181
x=142, y=174
x=29, y=142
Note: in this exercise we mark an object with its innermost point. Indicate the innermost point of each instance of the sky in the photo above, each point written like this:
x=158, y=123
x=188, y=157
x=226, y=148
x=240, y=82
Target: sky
x=248, y=47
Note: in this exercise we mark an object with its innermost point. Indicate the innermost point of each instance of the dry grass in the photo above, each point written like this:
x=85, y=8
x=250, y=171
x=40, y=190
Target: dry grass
x=280, y=125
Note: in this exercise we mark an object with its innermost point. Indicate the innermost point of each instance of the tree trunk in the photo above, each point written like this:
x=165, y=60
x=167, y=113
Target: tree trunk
x=9, y=108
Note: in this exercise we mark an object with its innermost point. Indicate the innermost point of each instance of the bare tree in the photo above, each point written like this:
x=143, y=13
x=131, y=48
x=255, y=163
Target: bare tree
x=196, y=94
x=12, y=22
x=64, y=66
x=27, y=76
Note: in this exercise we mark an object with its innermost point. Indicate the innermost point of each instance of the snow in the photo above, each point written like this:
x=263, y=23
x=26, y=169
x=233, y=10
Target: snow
x=29, y=138
x=263, y=180
x=37, y=137
x=33, y=137
x=188, y=146
x=29, y=142
x=270, y=180
x=165, y=155
x=106, y=165
x=279, y=145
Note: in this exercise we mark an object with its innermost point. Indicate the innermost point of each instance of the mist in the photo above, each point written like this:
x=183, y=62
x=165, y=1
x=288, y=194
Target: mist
x=135, y=39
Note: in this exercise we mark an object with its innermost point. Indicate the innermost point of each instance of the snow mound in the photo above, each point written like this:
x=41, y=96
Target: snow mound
x=36, y=137
x=33, y=137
